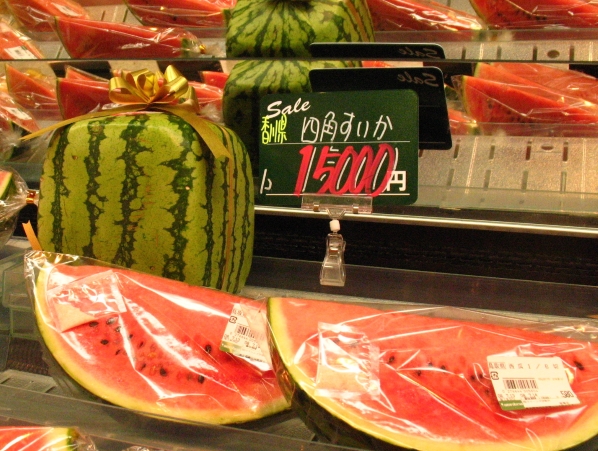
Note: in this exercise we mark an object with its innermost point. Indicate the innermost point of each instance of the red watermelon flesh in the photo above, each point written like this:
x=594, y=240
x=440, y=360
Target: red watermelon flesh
x=150, y=344
x=14, y=117
x=180, y=13
x=533, y=14
x=213, y=78
x=15, y=46
x=33, y=91
x=38, y=438
x=569, y=82
x=72, y=72
x=112, y=40
x=401, y=15
x=37, y=16
x=500, y=74
x=490, y=102
x=78, y=96
x=435, y=388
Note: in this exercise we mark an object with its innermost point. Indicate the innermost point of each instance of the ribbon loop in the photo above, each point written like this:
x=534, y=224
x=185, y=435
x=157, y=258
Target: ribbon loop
x=153, y=91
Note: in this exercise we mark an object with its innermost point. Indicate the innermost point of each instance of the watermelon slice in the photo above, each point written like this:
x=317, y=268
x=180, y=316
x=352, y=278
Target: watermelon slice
x=38, y=438
x=365, y=377
x=531, y=14
x=214, y=78
x=401, y=15
x=148, y=344
x=491, y=102
x=112, y=40
x=37, y=16
x=34, y=91
x=180, y=13
x=72, y=72
x=79, y=96
x=493, y=72
x=569, y=82
x=14, y=45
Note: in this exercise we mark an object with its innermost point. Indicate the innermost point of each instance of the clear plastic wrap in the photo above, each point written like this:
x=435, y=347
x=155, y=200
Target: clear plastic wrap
x=513, y=106
x=14, y=45
x=13, y=197
x=437, y=378
x=36, y=17
x=44, y=438
x=531, y=14
x=34, y=91
x=95, y=39
x=180, y=13
x=147, y=343
x=404, y=15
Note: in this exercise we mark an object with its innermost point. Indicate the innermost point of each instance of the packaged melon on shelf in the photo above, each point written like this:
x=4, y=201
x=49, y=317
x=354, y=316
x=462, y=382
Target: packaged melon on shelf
x=155, y=186
x=150, y=344
x=534, y=14
x=34, y=91
x=98, y=39
x=405, y=15
x=180, y=13
x=36, y=17
x=14, y=45
x=385, y=375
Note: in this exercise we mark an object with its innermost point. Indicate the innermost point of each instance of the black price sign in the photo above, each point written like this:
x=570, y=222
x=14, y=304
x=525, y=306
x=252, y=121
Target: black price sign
x=358, y=143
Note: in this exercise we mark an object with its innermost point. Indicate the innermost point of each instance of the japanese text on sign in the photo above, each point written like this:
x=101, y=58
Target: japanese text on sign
x=336, y=147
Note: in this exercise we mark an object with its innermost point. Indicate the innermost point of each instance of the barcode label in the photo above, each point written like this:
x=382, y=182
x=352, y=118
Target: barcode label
x=244, y=330
x=526, y=382
x=520, y=384
x=242, y=340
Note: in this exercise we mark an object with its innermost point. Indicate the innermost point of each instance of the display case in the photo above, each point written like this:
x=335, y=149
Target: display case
x=501, y=223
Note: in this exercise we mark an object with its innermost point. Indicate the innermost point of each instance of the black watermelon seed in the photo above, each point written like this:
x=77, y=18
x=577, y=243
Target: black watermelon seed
x=142, y=367
x=117, y=352
x=442, y=367
x=201, y=379
x=208, y=348
x=579, y=365
x=93, y=324
x=111, y=320
x=163, y=372
x=418, y=372
x=141, y=343
x=104, y=342
x=391, y=359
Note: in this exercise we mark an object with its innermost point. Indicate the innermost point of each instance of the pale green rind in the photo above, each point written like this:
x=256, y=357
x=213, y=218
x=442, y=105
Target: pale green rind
x=286, y=350
x=114, y=393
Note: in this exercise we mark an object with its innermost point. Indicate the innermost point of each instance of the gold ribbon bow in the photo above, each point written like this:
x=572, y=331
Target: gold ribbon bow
x=153, y=91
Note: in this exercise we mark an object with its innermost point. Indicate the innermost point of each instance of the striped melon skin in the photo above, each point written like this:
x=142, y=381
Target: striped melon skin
x=284, y=28
x=144, y=192
x=250, y=80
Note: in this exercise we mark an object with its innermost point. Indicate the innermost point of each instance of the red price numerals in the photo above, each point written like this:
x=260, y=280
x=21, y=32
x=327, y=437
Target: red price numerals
x=348, y=172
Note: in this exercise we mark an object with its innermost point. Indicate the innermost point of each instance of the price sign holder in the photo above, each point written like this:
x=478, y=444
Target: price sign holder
x=339, y=153
x=333, y=272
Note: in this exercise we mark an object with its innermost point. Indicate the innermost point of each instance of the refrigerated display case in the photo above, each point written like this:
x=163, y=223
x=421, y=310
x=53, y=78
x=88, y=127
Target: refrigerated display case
x=502, y=223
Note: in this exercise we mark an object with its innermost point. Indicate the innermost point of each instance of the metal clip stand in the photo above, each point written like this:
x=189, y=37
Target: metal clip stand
x=333, y=267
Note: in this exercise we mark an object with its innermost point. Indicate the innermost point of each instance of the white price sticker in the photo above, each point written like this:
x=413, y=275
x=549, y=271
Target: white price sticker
x=20, y=53
x=526, y=382
x=241, y=340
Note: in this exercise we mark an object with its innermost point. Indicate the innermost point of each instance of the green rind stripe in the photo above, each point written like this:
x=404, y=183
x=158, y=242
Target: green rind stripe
x=259, y=28
x=157, y=201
